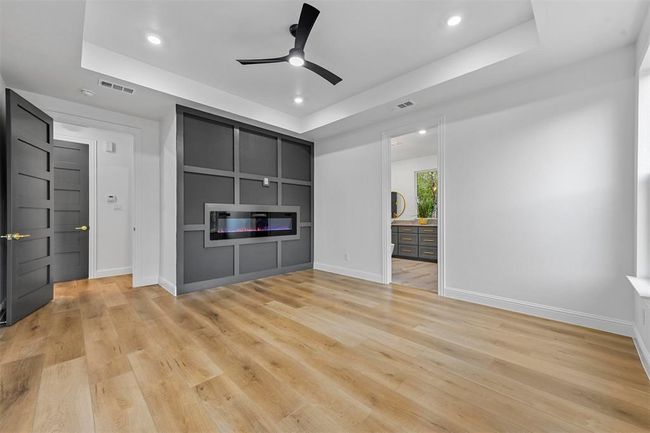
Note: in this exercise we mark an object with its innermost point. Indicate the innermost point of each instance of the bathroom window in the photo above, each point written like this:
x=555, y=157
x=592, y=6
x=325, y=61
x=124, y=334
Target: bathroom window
x=426, y=188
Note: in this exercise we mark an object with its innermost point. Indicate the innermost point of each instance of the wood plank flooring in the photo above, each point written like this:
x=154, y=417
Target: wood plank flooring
x=413, y=273
x=308, y=352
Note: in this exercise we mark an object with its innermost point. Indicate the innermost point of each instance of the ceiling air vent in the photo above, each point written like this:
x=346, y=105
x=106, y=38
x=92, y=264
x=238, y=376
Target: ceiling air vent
x=120, y=88
x=405, y=104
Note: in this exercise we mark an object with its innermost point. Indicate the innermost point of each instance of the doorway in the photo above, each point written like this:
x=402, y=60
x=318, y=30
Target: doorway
x=414, y=227
x=412, y=167
x=111, y=191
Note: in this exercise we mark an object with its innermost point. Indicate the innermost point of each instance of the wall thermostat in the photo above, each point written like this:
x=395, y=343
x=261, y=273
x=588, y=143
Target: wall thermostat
x=109, y=146
x=111, y=198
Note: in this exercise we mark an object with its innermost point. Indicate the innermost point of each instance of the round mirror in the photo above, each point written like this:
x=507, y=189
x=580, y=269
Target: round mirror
x=398, y=204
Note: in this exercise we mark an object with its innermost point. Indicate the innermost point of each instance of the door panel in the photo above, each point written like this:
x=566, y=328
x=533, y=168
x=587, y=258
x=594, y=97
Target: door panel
x=70, y=211
x=29, y=186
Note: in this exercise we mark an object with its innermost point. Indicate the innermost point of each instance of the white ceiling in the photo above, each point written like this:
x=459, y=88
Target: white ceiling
x=366, y=43
x=402, y=49
x=40, y=51
x=413, y=145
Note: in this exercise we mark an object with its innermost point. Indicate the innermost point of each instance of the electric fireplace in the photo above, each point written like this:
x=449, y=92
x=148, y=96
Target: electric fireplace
x=230, y=224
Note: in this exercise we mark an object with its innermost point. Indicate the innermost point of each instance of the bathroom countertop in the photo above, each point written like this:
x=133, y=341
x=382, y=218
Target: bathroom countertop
x=431, y=223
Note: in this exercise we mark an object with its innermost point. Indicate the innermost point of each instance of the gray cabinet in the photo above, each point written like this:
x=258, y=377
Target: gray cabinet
x=415, y=242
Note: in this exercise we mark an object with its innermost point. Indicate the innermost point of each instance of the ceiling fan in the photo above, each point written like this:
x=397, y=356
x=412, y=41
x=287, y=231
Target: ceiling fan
x=296, y=56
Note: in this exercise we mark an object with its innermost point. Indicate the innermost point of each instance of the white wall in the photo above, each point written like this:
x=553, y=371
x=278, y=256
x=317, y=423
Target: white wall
x=642, y=165
x=347, y=205
x=146, y=255
x=168, y=202
x=403, y=180
x=539, y=194
x=111, y=229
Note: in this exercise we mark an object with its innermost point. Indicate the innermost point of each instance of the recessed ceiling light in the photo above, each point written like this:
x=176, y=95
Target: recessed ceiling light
x=454, y=20
x=298, y=100
x=422, y=131
x=87, y=92
x=154, y=40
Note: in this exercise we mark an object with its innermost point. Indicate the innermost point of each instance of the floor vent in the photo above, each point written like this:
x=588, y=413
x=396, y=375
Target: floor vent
x=120, y=88
x=405, y=104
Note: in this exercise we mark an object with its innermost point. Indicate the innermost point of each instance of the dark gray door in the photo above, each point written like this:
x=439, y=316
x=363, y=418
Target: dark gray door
x=70, y=211
x=29, y=194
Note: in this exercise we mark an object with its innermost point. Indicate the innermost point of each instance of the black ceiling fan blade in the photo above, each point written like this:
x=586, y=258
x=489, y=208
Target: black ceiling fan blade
x=329, y=76
x=262, y=61
x=308, y=17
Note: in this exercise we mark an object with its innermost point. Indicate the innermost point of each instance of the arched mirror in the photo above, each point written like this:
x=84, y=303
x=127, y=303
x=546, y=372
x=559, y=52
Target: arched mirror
x=398, y=204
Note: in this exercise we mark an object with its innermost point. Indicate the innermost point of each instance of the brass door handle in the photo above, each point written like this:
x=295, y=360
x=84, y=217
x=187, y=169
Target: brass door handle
x=17, y=236
x=82, y=228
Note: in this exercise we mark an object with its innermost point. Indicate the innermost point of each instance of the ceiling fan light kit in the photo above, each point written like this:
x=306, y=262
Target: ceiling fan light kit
x=296, y=56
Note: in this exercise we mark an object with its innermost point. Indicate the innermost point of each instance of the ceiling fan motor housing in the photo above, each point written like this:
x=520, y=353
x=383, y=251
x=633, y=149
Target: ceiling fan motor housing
x=296, y=52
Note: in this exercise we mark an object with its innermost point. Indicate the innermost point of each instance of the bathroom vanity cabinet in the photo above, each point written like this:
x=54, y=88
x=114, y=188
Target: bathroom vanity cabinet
x=415, y=241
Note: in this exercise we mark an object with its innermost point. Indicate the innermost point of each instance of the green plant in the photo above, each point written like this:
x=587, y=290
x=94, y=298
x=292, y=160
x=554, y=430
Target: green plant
x=425, y=207
x=427, y=193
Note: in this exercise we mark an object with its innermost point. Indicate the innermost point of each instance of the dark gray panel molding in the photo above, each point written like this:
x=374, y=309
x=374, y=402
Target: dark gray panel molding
x=298, y=195
x=258, y=153
x=217, y=282
x=201, y=189
x=208, y=144
x=298, y=251
x=296, y=160
x=224, y=161
x=206, y=263
x=253, y=192
x=258, y=257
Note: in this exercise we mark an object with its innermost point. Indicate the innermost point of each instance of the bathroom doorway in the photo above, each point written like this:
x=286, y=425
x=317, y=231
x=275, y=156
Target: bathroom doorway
x=414, y=208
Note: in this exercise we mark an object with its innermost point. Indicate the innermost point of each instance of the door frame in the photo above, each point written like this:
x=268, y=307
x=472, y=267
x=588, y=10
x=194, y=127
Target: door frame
x=386, y=217
x=92, y=198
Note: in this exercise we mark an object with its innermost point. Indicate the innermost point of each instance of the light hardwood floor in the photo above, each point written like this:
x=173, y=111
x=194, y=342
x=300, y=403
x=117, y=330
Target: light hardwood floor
x=414, y=273
x=308, y=352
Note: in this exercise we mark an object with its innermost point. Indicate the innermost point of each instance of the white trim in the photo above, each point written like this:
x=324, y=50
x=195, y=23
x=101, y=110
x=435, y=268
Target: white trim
x=136, y=132
x=386, y=236
x=642, y=349
x=92, y=209
x=603, y=323
x=354, y=273
x=144, y=281
x=442, y=206
x=641, y=285
x=386, y=217
x=111, y=272
x=167, y=285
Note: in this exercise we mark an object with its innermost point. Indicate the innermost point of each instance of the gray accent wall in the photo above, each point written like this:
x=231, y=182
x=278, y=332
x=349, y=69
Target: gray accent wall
x=223, y=161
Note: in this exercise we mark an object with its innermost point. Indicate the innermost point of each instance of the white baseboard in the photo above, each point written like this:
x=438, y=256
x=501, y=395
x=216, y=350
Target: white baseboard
x=644, y=353
x=602, y=323
x=112, y=272
x=363, y=275
x=167, y=285
x=145, y=281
